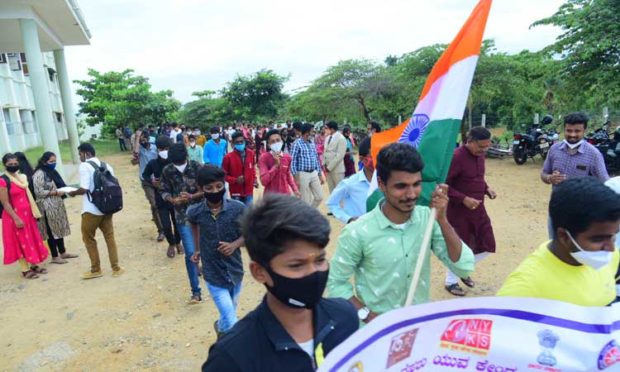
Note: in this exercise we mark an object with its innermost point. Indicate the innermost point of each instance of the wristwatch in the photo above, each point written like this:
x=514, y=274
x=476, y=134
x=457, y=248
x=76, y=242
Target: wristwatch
x=363, y=313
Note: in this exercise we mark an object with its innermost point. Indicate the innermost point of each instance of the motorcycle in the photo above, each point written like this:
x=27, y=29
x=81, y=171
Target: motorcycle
x=608, y=147
x=535, y=142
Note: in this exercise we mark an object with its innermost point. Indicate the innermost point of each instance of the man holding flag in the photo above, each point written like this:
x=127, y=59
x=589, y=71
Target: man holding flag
x=381, y=248
x=370, y=248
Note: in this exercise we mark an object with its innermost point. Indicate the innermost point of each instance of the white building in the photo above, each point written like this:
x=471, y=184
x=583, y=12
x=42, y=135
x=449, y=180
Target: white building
x=35, y=92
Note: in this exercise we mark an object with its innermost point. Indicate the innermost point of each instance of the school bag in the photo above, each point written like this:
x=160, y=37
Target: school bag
x=107, y=195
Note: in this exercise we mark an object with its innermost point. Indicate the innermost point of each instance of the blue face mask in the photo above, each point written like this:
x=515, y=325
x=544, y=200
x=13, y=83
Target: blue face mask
x=240, y=147
x=51, y=166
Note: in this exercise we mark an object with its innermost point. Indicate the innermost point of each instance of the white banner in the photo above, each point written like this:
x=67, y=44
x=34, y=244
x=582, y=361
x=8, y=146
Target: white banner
x=492, y=334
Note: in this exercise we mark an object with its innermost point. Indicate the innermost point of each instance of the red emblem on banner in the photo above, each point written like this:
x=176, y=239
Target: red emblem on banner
x=401, y=346
x=469, y=335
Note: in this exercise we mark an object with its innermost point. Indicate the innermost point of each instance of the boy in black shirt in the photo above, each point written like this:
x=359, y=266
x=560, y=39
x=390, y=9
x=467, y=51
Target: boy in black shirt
x=294, y=328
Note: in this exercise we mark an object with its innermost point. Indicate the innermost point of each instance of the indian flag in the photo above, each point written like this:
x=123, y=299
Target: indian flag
x=436, y=121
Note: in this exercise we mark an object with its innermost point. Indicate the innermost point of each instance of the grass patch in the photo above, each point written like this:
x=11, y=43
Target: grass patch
x=103, y=148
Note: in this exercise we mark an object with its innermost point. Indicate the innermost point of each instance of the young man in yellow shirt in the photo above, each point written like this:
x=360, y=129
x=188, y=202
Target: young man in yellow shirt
x=579, y=265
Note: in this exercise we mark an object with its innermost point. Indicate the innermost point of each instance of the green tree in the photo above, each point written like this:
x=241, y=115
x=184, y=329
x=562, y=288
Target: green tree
x=123, y=99
x=589, y=49
x=256, y=97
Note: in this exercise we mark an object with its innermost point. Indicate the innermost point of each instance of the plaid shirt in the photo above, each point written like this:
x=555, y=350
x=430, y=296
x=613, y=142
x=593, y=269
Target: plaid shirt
x=587, y=161
x=174, y=182
x=305, y=157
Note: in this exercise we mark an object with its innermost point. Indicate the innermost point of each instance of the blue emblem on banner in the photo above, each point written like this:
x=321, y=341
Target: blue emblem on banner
x=415, y=129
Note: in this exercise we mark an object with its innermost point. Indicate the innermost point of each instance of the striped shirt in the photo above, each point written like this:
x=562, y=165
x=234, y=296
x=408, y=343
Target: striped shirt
x=305, y=157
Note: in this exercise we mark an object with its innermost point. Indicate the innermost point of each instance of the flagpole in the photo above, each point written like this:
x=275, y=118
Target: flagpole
x=421, y=257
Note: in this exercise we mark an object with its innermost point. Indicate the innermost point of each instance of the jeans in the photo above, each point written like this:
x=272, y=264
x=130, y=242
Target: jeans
x=169, y=225
x=247, y=200
x=188, y=246
x=226, y=301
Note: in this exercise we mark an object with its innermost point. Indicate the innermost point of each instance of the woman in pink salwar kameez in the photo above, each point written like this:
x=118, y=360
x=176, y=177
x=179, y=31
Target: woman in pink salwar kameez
x=20, y=235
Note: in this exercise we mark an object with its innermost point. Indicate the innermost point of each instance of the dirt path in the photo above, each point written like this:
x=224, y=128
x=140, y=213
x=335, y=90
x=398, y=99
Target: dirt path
x=141, y=320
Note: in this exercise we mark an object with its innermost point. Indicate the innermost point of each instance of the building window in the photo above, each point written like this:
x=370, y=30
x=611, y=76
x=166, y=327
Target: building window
x=51, y=73
x=22, y=57
x=14, y=61
x=58, y=117
x=2, y=58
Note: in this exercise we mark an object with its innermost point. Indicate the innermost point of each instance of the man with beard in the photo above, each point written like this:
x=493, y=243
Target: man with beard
x=573, y=157
x=381, y=248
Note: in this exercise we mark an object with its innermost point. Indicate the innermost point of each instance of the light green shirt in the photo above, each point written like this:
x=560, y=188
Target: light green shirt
x=381, y=257
x=195, y=154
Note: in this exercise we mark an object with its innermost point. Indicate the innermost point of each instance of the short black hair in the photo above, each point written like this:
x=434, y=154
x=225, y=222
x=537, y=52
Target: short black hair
x=236, y=135
x=364, y=148
x=578, y=202
x=398, y=157
x=7, y=157
x=277, y=220
x=478, y=134
x=297, y=125
x=209, y=173
x=191, y=137
x=305, y=128
x=376, y=126
x=177, y=153
x=346, y=129
x=162, y=142
x=271, y=133
x=332, y=125
x=577, y=118
x=214, y=130
x=87, y=148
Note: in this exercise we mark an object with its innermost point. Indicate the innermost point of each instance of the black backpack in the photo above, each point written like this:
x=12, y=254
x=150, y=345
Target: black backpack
x=8, y=191
x=107, y=195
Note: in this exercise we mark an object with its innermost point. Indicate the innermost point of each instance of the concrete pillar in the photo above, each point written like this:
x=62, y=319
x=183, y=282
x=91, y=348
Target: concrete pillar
x=18, y=140
x=5, y=144
x=67, y=104
x=40, y=90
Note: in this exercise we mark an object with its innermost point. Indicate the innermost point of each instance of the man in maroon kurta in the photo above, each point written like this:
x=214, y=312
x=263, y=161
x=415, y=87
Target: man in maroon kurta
x=466, y=211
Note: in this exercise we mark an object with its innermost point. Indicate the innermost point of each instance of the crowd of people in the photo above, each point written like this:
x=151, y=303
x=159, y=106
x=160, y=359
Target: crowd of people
x=201, y=192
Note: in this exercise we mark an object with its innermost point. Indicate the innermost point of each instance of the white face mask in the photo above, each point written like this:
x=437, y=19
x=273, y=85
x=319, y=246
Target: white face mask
x=215, y=136
x=594, y=259
x=181, y=168
x=163, y=154
x=197, y=132
x=192, y=144
x=276, y=147
x=573, y=146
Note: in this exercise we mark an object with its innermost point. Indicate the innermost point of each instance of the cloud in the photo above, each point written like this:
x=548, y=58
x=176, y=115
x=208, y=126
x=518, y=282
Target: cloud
x=190, y=45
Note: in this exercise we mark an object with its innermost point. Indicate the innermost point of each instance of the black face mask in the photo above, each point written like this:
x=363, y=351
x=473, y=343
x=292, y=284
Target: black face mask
x=298, y=293
x=215, y=197
x=12, y=168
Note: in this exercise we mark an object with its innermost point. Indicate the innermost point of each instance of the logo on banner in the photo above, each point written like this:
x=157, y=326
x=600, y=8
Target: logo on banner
x=357, y=367
x=547, y=340
x=609, y=356
x=468, y=335
x=401, y=346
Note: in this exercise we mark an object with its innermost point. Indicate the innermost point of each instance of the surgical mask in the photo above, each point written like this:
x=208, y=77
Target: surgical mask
x=298, y=293
x=215, y=197
x=276, y=147
x=12, y=168
x=163, y=154
x=181, y=168
x=240, y=147
x=594, y=259
x=215, y=136
x=51, y=166
x=573, y=146
x=192, y=144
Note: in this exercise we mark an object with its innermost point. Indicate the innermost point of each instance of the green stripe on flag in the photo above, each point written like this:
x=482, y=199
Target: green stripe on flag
x=436, y=148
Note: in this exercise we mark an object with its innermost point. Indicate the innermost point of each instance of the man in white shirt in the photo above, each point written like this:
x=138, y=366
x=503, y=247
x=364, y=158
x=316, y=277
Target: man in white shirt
x=92, y=218
x=174, y=132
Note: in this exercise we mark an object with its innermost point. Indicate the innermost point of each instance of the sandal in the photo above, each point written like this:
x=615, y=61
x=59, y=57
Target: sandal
x=455, y=290
x=170, y=252
x=68, y=255
x=196, y=299
x=58, y=260
x=29, y=274
x=38, y=269
x=468, y=282
x=180, y=249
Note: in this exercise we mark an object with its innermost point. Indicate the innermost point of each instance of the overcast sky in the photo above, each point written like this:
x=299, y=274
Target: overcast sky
x=191, y=45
